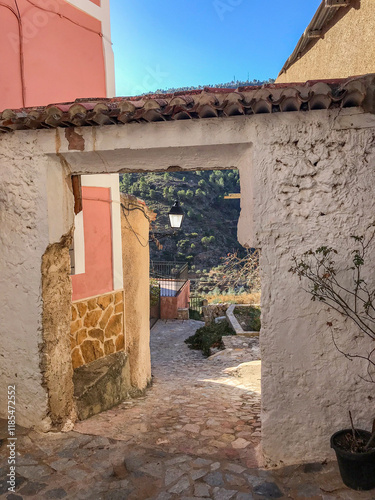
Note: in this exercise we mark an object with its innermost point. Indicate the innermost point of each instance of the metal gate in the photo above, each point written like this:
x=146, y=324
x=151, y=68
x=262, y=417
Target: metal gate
x=195, y=307
x=154, y=302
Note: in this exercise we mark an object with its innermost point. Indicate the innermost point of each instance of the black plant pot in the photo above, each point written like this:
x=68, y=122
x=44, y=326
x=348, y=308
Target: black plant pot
x=357, y=469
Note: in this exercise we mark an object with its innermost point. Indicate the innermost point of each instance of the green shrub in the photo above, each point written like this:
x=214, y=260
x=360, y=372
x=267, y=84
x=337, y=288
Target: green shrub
x=183, y=243
x=249, y=317
x=154, y=292
x=193, y=314
x=209, y=336
x=206, y=240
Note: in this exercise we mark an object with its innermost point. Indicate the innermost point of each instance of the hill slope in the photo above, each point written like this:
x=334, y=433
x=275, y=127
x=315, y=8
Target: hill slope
x=234, y=84
x=209, y=229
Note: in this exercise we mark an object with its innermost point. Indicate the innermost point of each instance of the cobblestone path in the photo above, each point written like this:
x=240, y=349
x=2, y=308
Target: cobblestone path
x=195, y=435
x=193, y=407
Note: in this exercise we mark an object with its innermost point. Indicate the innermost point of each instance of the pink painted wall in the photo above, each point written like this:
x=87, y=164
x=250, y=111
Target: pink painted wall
x=98, y=276
x=170, y=305
x=62, y=61
x=183, y=297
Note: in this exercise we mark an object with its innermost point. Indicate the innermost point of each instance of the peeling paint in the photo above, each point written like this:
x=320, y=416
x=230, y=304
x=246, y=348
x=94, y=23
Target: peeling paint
x=58, y=141
x=75, y=140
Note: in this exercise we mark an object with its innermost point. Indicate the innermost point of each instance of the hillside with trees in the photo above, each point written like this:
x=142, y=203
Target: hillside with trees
x=209, y=229
x=234, y=84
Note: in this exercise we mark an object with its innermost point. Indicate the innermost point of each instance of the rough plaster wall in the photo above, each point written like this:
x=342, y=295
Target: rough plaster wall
x=313, y=185
x=33, y=191
x=135, y=251
x=56, y=360
x=23, y=240
x=335, y=55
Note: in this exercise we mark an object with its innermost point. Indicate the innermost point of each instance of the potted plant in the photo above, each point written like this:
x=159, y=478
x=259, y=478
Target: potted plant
x=355, y=448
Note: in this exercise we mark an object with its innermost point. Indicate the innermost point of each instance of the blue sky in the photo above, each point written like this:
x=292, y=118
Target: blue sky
x=178, y=43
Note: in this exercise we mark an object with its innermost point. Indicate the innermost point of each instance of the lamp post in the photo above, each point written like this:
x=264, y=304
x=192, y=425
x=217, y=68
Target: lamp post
x=176, y=215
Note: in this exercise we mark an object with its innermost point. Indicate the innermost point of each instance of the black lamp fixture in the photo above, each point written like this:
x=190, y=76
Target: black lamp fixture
x=176, y=215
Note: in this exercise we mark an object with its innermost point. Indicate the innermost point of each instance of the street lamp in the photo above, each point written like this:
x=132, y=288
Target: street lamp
x=176, y=215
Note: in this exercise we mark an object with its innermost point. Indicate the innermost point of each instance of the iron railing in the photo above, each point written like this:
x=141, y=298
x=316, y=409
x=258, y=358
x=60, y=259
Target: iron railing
x=169, y=270
x=170, y=287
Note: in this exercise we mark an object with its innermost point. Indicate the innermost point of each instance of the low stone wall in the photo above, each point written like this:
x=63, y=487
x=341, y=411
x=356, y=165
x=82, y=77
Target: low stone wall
x=212, y=311
x=97, y=328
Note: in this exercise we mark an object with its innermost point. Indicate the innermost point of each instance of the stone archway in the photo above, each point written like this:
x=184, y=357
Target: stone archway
x=301, y=175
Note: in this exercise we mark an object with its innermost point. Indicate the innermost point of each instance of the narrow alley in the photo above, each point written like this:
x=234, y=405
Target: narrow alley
x=195, y=434
x=194, y=407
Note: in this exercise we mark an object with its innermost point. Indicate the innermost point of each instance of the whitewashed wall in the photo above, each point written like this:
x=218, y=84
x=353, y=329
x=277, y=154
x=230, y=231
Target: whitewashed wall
x=314, y=185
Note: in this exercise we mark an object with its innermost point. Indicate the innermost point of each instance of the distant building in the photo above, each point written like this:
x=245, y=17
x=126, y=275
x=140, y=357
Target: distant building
x=338, y=43
x=54, y=51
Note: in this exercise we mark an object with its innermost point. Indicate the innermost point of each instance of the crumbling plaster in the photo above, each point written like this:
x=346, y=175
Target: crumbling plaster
x=56, y=362
x=306, y=179
x=32, y=192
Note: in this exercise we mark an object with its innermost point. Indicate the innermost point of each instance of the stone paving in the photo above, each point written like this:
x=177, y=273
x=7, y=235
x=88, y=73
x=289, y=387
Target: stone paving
x=196, y=434
x=194, y=406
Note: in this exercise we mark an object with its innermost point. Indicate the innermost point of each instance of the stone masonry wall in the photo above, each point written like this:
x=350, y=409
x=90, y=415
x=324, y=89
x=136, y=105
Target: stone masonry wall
x=97, y=328
x=212, y=311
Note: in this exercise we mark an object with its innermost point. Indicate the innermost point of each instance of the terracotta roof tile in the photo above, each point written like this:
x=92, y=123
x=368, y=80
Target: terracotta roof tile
x=196, y=104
